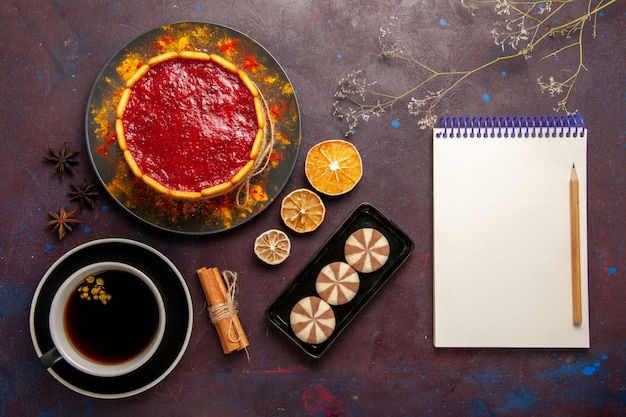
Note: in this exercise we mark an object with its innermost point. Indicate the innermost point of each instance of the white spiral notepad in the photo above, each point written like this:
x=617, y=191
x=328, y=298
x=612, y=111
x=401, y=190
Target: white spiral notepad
x=503, y=232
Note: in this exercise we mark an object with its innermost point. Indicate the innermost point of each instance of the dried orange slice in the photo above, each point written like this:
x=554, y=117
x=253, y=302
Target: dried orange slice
x=333, y=167
x=272, y=246
x=302, y=210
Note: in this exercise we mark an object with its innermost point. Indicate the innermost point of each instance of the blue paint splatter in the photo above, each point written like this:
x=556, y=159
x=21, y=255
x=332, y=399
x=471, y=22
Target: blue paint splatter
x=49, y=248
x=503, y=73
x=198, y=8
x=601, y=14
x=87, y=229
x=480, y=408
x=487, y=378
x=105, y=208
x=339, y=56
x=444, y=99
x=395, y=124
x=589, y=370
x=329, y=21
x=612, y=270
x=571, y=369
x=486, y=98
x=443, y=22
x=517, y=401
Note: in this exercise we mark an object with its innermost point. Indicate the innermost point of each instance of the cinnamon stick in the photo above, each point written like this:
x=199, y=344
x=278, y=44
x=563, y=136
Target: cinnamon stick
x=222, y=310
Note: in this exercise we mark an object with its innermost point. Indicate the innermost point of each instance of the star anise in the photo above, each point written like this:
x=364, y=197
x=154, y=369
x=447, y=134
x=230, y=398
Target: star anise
x=62, y=221
x=84, y=193
x=62, y=160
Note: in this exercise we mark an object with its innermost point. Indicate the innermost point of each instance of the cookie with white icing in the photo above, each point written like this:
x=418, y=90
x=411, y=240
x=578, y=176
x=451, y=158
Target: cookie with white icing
x=366, y=250
x=312, y=320
x=337, y=283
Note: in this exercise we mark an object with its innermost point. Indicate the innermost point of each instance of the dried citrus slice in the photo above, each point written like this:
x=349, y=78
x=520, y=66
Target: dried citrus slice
x=333, y=167
x=272, y=246
x=302, y=210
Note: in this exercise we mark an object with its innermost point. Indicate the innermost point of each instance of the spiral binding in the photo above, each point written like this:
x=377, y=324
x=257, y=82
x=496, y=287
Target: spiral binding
x=514, y=127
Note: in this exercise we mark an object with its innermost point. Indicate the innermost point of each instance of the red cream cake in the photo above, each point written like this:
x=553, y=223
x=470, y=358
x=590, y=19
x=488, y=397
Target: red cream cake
x=190, y=124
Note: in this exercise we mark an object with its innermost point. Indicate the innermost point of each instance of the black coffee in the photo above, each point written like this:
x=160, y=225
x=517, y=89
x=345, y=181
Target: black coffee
x=111, y=317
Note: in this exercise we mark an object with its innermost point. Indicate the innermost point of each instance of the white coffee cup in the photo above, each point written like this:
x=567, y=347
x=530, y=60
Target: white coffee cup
x=65, y=349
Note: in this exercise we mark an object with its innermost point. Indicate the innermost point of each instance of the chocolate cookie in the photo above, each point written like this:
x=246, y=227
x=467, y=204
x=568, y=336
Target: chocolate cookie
x=366, y=250
x=312, y=320
x=337, y=283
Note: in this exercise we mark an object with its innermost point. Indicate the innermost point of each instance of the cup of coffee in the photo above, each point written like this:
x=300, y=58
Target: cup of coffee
x=107, y=319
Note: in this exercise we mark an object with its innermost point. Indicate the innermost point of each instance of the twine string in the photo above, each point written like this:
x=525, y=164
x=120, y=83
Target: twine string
x=228, y=309
x=262, y=160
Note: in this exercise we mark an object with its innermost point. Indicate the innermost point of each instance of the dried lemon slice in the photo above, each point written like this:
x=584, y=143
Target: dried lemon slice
x=333, y=167
x=302, y=210
x=272, y=246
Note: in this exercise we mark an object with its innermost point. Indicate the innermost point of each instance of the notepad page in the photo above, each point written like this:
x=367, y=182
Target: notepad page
x=502, y=242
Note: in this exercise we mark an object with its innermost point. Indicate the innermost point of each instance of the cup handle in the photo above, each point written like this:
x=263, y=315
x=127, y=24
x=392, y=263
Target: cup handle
x=50, y=358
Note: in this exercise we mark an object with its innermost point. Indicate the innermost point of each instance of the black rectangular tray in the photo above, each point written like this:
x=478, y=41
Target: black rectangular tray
x=303, y=285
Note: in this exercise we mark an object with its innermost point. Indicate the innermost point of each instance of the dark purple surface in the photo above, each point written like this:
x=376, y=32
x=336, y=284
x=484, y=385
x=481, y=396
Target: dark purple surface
x=384, y=363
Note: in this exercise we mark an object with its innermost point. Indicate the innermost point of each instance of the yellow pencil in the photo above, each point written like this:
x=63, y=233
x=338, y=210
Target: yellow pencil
x=575, y=230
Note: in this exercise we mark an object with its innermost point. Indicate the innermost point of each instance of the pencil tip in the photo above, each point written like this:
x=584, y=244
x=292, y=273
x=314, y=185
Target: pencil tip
x=573, y=165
